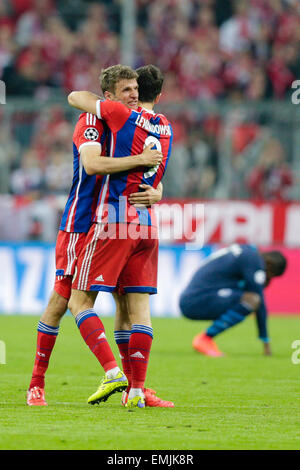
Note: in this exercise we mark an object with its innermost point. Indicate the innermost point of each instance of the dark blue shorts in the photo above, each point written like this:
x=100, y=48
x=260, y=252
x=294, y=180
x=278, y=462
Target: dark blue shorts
x=208, y=305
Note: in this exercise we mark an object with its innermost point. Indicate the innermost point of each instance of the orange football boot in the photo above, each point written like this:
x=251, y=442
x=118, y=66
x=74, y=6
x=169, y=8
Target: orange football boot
x=205, y=345
x=150, y=399
x=36, y=397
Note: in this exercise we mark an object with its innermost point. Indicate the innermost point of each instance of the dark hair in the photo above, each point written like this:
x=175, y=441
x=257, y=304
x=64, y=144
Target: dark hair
x=276, y=261
x=112, y=75
x=150, y=81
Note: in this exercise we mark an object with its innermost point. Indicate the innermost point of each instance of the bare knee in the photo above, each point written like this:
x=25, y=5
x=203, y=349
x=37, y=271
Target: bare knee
x=139, y=308
x=122, y=320
x=80, y=301
x=55, y=309
x=252, y=299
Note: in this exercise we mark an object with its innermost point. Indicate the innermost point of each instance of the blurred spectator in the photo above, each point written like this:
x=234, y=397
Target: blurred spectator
x=279, y=72
x=29, y=176
x=272, y=178
x=9, y=149
x=6, y=20
x=210, y=46
x=21, y=6
x=31, y=22
x=237, y=33
x=46, y=165
x=258, y=87
x=58, y=170
x=212, y=52
x=201, y=175
x=7, y=46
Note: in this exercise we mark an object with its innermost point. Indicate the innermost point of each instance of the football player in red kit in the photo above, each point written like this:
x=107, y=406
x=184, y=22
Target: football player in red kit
x=121, y=247
x=75, y=223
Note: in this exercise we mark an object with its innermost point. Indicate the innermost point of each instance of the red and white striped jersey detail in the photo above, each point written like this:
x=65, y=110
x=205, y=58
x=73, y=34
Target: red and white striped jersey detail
x=71, y=252
x=89, y=252
x=90, y=119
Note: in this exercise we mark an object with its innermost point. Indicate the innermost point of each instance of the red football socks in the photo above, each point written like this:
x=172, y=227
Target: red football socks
x=46, y=338
x=93, y=333
x=139, y=350
x=122, y=339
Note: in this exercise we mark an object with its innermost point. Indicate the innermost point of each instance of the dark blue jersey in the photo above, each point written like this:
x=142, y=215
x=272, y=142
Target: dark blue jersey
x=236, y=267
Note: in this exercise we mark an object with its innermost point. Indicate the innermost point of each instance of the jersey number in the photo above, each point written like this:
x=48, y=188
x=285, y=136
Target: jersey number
x=152, y=140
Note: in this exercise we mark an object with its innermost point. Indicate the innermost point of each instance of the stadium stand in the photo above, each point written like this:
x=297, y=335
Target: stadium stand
x=229, y=67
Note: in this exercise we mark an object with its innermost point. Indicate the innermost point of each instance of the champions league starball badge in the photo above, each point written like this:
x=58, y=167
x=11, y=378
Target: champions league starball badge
x=91, y=133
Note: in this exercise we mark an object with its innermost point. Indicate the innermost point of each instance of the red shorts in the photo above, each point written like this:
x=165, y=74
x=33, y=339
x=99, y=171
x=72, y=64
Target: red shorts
x=63, y=286
x=68, y=247
x=115, y=258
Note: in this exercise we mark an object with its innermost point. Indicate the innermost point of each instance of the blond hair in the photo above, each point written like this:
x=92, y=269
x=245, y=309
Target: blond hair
x=112, y=75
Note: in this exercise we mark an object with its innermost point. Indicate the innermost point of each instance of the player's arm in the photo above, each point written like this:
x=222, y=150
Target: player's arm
x=83, y=100
x=113, y=112
x=255, y=278
x=261, y=320
x=148, y=196
x=95, y=164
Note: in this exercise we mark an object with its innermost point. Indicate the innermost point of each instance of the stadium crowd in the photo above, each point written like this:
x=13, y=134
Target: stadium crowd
x=211, y=51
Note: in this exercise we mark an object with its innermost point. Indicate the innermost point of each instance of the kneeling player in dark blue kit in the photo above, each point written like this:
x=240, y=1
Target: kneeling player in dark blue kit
x=227, y=287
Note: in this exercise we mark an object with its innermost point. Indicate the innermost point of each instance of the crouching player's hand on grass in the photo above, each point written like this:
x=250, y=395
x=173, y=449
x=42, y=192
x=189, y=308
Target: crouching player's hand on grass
x=267, y=349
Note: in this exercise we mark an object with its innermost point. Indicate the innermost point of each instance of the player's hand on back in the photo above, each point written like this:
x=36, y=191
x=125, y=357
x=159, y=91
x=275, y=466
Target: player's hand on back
x=147, y=197
x=151, y=157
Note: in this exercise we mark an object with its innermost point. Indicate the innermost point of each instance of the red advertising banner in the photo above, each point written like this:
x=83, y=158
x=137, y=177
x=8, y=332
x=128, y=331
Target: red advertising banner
x=191, y=221
x=283, y=294
x=204, y=222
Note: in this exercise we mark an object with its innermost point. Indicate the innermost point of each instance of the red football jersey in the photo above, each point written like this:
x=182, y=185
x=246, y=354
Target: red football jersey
x=131, y=132
x=82, y=200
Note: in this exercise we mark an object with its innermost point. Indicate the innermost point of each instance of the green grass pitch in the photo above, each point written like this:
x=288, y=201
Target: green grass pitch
x=241, y=401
